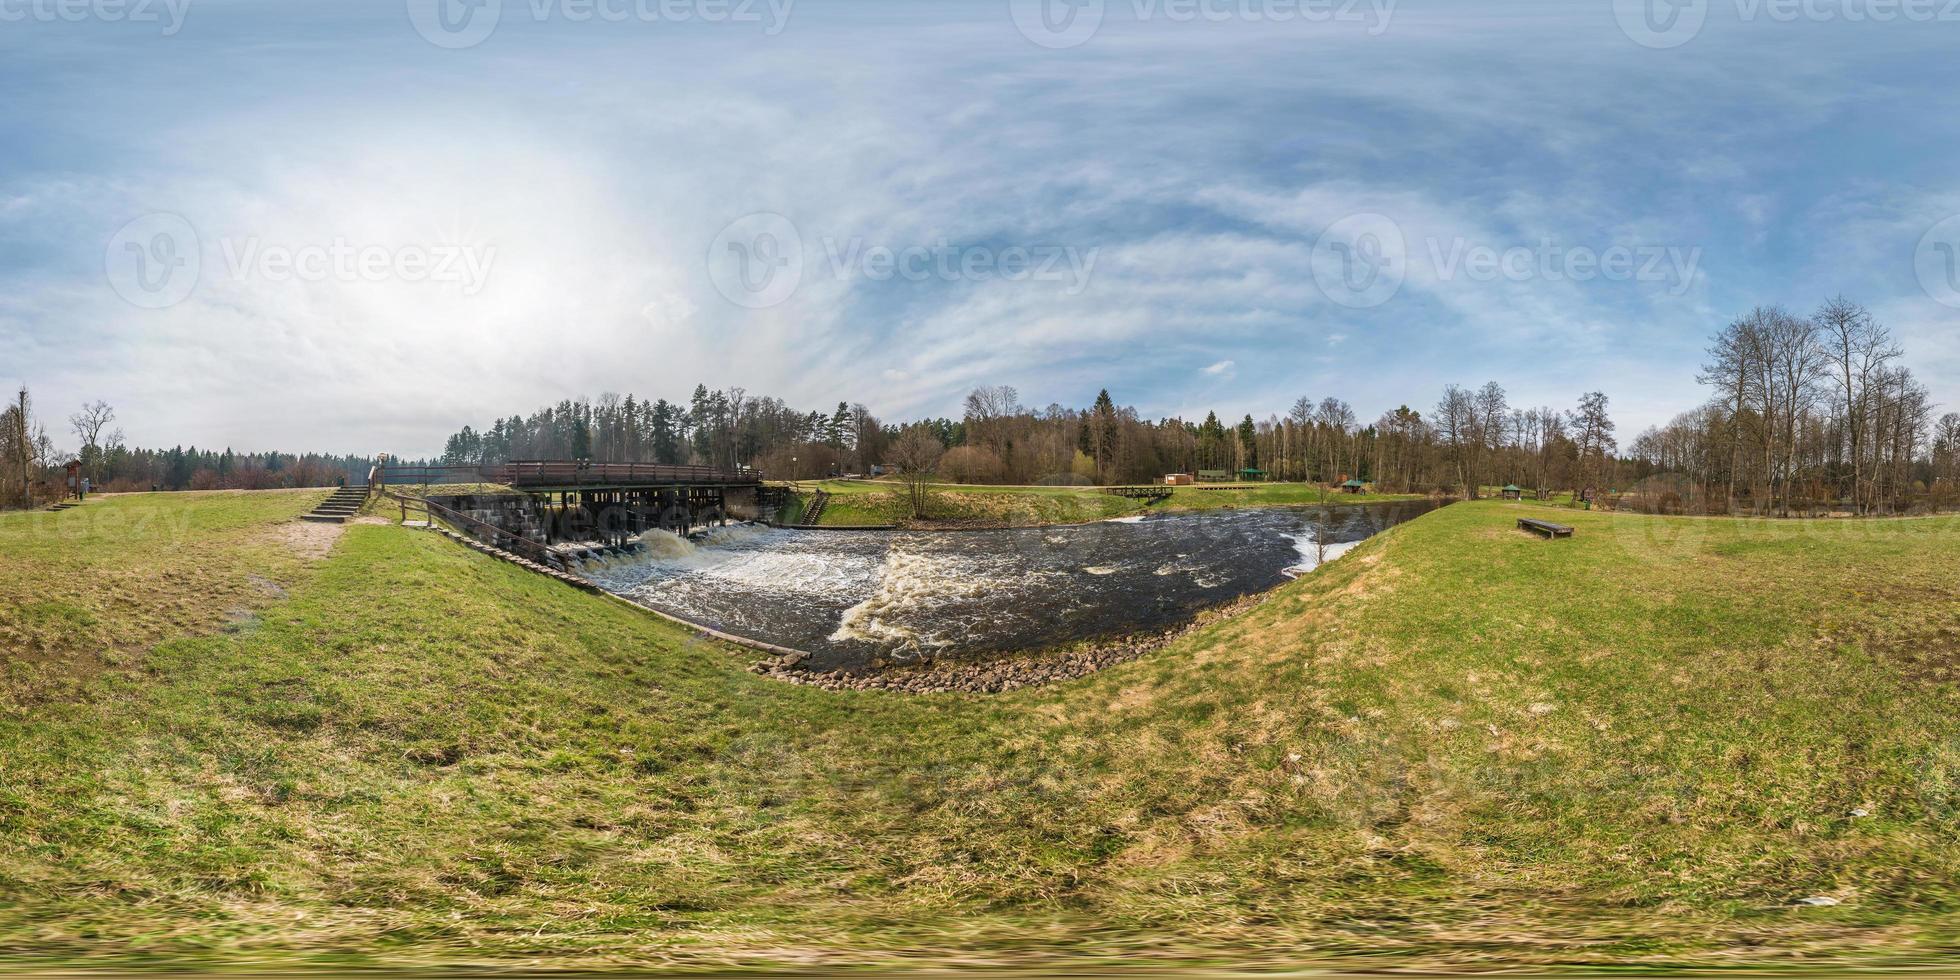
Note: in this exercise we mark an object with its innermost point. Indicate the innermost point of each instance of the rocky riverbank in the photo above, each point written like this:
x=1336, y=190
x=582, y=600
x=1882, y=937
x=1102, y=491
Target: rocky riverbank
x=1006, y=673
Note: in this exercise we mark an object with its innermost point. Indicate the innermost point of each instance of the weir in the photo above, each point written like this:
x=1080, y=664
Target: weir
x=553, y=501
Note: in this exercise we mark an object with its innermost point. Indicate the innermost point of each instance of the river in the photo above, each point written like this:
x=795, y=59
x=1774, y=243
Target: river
x=855, y=598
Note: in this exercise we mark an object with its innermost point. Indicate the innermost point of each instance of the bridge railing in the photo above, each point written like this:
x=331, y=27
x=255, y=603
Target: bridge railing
x=568, y=473
x=563, y=473
x=482, y=530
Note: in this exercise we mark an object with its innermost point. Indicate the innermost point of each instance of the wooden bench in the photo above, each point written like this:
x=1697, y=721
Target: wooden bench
x=1546, y=528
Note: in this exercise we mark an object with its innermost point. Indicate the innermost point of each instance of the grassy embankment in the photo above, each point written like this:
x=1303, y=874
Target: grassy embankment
x=1458, y=743
x=855, y=502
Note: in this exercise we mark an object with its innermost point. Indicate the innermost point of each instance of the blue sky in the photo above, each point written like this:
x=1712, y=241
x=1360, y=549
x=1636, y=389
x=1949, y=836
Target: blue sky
x=1200, y=192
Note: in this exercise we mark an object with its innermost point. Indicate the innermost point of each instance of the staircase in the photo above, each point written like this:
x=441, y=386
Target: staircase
x=344, y=503
x=814, y=513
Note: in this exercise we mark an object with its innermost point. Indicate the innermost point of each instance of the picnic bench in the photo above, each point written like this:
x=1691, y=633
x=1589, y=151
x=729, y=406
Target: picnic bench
x=1546, y=528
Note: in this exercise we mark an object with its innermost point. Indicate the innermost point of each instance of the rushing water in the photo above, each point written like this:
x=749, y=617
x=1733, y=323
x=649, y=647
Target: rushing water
x=850, y=597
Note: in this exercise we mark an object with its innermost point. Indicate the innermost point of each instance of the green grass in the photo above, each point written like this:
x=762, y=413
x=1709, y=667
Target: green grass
x=1458, y=745
x=855, y=502
x=884, y=502
x=1274, y=495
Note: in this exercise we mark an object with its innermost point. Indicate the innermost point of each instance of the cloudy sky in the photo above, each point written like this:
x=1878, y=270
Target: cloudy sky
x=356, y=226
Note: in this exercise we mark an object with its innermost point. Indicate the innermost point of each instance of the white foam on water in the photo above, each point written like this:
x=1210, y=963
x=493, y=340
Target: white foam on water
x=1101, y=569
x=916, y=589
x=909, y=584
x=776, y=571
x=1126, y=519
x=665, y=544
x=1312, y=556
x=732, y=534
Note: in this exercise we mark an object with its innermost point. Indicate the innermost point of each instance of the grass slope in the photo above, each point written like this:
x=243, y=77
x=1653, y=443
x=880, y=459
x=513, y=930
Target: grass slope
x=1458, y=743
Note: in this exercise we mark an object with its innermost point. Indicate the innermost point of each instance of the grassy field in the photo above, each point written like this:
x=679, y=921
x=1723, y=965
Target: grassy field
x=1458, y=745
x=1272, y=495
x=884, y=502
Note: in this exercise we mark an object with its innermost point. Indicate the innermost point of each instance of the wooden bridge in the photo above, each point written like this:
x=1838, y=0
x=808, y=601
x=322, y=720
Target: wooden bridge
x=568, y=475
x=579, y=500
x=1149, y=494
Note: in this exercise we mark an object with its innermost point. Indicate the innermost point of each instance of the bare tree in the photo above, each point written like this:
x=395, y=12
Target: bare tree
x=1594, y=434
x=1858, y=349
x=88, y=425
x=1491, y=406
x=1728, y=370
x=21, y=447
x=916, y=455
x=1456, y=417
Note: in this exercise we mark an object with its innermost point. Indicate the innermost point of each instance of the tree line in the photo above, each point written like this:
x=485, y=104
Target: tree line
x=726, y=428
x=1807, y=414
x=1473, y=439
x=35, y=470
x=1810, y=413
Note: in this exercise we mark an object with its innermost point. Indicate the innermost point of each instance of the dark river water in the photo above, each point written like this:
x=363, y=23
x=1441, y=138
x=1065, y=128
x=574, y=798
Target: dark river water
x=849, y=597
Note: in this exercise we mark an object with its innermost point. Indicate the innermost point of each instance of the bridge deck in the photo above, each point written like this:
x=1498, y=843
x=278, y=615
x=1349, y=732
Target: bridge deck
x=1148, y=494
x=548, y=475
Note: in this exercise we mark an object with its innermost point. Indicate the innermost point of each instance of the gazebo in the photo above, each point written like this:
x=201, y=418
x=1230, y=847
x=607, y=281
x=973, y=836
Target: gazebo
x=1513, y=492
x=1252, y=473
x=1353, y=486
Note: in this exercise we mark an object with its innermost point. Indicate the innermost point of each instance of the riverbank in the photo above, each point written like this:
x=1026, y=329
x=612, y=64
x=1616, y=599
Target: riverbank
x=972, y=506
x=1663, y=742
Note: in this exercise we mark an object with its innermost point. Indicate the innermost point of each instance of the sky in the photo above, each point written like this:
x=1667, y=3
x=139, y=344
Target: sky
x=358, y=226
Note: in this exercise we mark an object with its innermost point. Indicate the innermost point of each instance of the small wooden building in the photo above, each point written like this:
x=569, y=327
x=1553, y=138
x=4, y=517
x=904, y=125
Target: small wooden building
x=1513, y=492
x=1177, y=479
x=1353, y=486
x=1251, y=473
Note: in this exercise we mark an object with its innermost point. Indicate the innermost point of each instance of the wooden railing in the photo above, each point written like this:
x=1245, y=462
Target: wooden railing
x=564, y=473
x=483, y=530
